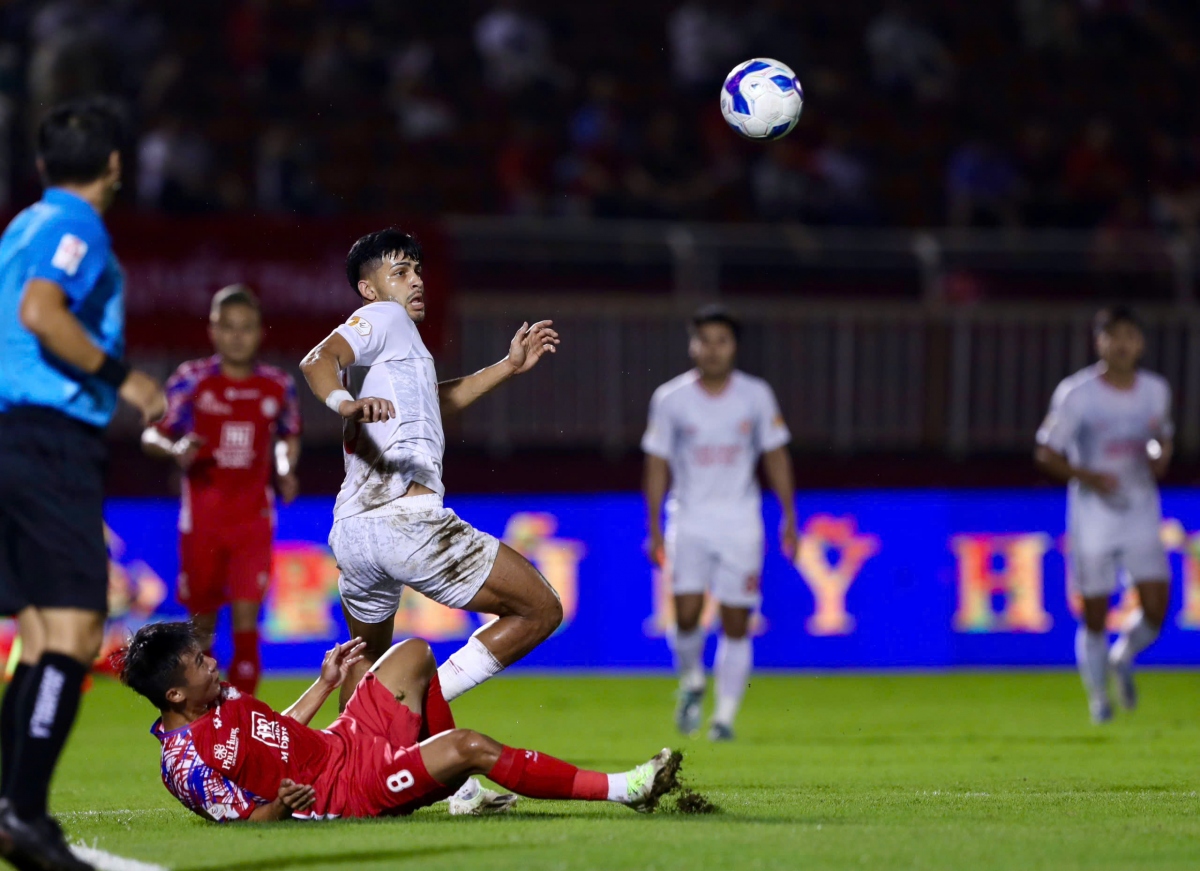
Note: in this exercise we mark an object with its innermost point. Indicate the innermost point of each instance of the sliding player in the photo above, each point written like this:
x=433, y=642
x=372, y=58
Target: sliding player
x=227, y=756
x=707, y=430
x=1109, y=435
x=389, y=527
x=233, y=427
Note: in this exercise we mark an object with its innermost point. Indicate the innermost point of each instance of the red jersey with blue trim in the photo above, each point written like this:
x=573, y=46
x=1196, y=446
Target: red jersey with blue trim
x=229, y=483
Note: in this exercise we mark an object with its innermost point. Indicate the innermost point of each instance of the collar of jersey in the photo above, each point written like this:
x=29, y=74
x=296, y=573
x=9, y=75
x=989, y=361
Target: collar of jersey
x=66, y=199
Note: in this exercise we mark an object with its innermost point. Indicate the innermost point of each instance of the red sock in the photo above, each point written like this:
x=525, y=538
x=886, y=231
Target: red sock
x=244, y=670
x=437, y=717
x=536, y=775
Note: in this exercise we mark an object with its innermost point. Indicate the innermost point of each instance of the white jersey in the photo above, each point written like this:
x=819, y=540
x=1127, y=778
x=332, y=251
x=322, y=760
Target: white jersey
x=1105, y=429
x=713, y=444
x=384, y=458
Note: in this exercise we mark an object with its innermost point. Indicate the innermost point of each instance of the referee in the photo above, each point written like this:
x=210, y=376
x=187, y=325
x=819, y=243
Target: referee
x=62, y=325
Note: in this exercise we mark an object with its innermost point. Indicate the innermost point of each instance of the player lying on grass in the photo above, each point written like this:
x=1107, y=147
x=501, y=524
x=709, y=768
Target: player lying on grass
x=395, y=748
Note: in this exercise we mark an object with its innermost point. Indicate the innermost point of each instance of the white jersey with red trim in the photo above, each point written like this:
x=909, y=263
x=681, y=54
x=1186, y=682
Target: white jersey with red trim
x=1102, y=428
x=384, y=458
x=713, y=444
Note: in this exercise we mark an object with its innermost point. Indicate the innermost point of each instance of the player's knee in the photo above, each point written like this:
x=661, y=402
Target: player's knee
x=550, y=615
x=419, y=654
x=472, y=750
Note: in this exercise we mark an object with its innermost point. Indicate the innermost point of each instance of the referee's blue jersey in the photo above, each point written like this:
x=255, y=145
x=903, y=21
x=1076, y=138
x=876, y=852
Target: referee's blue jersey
x=62, y=239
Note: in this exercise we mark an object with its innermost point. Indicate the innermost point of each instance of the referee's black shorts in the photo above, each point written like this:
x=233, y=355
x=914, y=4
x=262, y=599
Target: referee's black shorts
x=52, y=549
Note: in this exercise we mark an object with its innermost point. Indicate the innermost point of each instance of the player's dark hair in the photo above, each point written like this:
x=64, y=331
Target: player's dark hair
x=234, y=294
x=75, y=139
x=715, y=314
x=153, y=661
x=368, y=252
x=1110, y=316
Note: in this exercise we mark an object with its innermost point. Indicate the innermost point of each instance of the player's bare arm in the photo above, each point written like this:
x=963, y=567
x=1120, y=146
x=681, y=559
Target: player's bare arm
x=322, y=368
x=1058, y=467
x=45, y=312
x=529, y=345
x=777, y=467
x=656, y=479
x=336, y=665
x=1159, y=452
x=287, y=455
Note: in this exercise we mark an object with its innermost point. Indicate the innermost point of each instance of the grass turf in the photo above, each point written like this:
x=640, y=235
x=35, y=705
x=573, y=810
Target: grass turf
x=955, y=771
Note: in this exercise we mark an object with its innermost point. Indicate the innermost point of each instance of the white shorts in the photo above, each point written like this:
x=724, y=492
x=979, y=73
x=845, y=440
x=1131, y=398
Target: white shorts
x=1095, y=573
x=417, y=544
x=728, y=565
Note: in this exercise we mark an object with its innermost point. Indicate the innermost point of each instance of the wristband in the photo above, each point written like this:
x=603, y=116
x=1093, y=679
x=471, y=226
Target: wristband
x=112, y=371
x=335, y=399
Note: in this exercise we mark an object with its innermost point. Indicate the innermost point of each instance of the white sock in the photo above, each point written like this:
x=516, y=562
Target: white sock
x=618, y=787
x=1091, y=655
x=1135, y=637
x=467, y=667
x=689, y=658
x=735, y=658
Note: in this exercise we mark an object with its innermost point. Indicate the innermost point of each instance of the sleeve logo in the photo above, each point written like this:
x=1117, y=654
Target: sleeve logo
x=360, y=326
x=70, y=253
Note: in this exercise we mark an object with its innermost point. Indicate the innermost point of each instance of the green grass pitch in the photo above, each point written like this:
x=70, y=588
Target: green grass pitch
x=969, y=771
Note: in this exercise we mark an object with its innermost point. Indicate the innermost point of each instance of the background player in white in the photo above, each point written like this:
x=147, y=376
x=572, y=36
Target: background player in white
x=390, y=529
x=707, y=430
x=1109, y=434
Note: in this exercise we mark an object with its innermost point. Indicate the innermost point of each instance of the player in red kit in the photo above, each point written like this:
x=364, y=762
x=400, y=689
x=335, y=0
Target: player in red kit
x=233, y=427
x=394, y=749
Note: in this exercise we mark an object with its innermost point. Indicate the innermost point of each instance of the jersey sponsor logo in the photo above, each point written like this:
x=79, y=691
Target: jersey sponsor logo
x=208, y=403
x=716, y=455
x=270, y=407
x=360, y=326
x=233, y=394
x=236, y=450
x=69, y=254
x=226, y=753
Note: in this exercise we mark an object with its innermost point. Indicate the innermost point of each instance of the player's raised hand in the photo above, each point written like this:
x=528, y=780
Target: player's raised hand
x=184, y=451
x=296, y=797
x=530, y=343
x=339, y=659
x=369, y=409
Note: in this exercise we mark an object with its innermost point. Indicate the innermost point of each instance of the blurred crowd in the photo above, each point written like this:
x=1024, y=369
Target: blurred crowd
x=1075, y=113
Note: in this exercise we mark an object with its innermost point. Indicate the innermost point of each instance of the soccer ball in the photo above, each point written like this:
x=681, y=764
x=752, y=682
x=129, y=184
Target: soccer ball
x=762, y=99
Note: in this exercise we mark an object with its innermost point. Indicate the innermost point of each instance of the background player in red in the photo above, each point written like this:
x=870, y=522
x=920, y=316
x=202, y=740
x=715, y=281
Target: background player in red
x=227, y=756
x=233, y=427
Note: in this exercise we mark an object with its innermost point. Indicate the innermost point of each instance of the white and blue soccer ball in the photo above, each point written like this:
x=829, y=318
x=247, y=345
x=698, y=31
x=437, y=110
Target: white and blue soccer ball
x=762, y=99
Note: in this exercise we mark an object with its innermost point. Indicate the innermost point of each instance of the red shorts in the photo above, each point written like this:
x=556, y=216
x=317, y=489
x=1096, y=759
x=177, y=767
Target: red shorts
x=219, y=565
x=375, y=768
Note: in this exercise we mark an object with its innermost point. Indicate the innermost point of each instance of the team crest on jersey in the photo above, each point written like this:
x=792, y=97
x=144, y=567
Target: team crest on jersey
x=270, y=407
x=746, y=427
x=69, y=254
x=360, y=326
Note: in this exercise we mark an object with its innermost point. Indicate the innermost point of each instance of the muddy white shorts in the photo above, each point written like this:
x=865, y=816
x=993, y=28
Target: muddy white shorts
x=411, y=542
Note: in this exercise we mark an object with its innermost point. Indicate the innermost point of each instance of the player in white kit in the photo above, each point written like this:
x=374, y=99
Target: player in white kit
x=390, y=529
x=707, y=430
x=1109, y=434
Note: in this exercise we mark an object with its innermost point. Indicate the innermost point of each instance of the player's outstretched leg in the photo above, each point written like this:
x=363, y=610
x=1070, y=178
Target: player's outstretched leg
x=1091, y=656
x=688, y=647
x=731, y=671
x=1139, y=632
x=453, y=755
x=528, y=612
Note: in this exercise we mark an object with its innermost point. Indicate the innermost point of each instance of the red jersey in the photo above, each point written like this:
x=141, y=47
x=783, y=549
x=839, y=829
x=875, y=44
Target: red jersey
x=229, y=483
x=246, y=742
